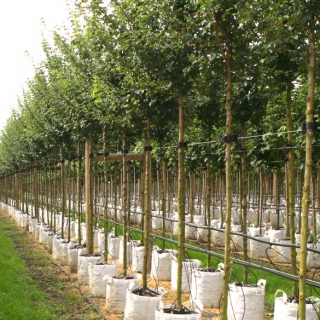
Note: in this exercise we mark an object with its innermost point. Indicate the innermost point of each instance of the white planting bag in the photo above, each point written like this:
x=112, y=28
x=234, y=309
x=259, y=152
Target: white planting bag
x=96, y=274
x=246, y=303
x=196, y=315
x=161, y=265
x=284, y=310
x=187, y=267
x=141, y=307
x=116, y=292
x=83, y=272
x=207, y=287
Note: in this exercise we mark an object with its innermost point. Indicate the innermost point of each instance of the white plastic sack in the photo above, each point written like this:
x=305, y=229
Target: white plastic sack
x=191, y=231
x=217, y=238
x=73, y=255
x=187, y=267
x=116, y=292
x=96, y=274
x=246, y=303
x=257, y=249
x=161, y=315
x=276, y=235
x=284, y=310
x=56, y=247
x=161, y=265
x=141, y=307
x=282, y=254
x=202, y=287
x=137, y=258
x=83, y=272
x=114, y=246
x=101, y=240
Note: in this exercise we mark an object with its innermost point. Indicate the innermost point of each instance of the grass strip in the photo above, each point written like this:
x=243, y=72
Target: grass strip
x=31, y=286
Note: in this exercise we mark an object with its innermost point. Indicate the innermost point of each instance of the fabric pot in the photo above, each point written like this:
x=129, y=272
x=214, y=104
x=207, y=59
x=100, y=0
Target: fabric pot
x=141, y=307
x=282, y=254
x=56, y=247
x=284, y=310
x=257, y=249
x=73, y=254
x=217, y=237
x=313, y=258
x=116, y=290
x=96, y=274
x=161, y=265
x=114, y=246
x=202, y=234
x=49, y=237
x=187, y=267
x=64, y=252
x=83, y=272
x=246, y=303
x=203, y=290
x=256, y=231
x=191, y=231
x=37, y=231
x=276, y=235
x=130, y=245
x=101, y=240
x=137, y=258
x=162, y=312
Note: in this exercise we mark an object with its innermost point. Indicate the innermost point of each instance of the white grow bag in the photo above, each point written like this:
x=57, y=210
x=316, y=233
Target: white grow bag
x=56, y=247
x=282, y=254
x=257, y=249
x=161, y=314
x=246, y=303
x=141, y=307
x=284, y=310
x=137, y=258
x=73, y=255
x=114, y=246
x=96, y=274
x=116, y=292
x=206, y=287
x=161, y=265
x=187, y=267
x=83, y=272
x=313, y=258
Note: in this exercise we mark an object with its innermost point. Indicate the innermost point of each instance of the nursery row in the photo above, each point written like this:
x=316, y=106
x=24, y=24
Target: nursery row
x=103, y=274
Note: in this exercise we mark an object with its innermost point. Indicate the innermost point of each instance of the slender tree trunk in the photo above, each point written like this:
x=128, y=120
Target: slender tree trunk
x=307, y=175
x=79, y=195
x=290, y=195
x=36, y=190
x=244, y=204
x=164, y=199
x=124, y=201
x=181, y=203
x=227, y=250
x=106, y=193
x=147, y=222
x=88, y=194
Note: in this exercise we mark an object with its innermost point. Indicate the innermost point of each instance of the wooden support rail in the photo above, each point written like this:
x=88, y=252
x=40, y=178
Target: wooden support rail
x=119, y=157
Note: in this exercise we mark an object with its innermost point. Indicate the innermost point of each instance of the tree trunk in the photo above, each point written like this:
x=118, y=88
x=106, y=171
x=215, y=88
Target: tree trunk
x=307, y=176
x=88, y=194
x=147, y=221
x=181, y=203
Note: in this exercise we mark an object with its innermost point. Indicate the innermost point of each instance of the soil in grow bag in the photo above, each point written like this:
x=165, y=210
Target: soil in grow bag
x=208, y=270
x=145, y=292
x=124, y=278
x=183, y=310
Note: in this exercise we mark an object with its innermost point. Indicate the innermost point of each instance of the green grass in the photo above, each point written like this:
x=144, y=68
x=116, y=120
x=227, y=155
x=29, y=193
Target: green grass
x=30, y=285
x=19, y=296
